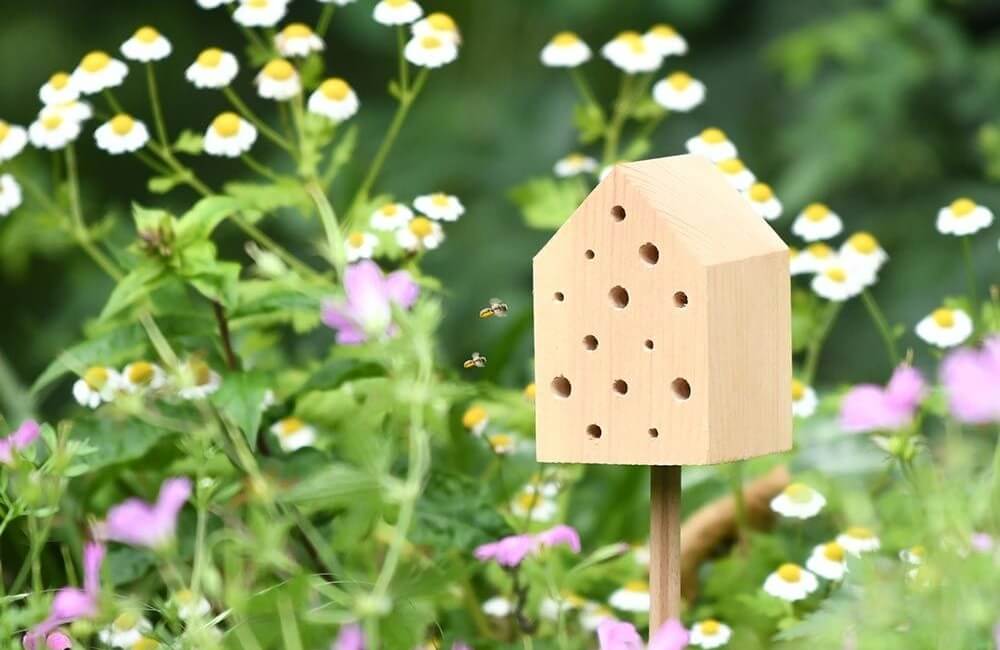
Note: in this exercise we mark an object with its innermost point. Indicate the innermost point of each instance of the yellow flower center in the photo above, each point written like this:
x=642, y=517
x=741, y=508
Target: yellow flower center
x=421, y=226
x=257, y=4
x=732, y=166
x=679, y=80
x=297, y=30
x=431, y=42
x=530, y=391
x=760, y=192
x=790, y=572
x=390, y=210
x=918, y=552
x=837, y=274
x=210, y=58
x=816, y=211
x=122, y=124
x=147, y=34
x=439, y=199
x=859, y=532
x=397, y=3
x=291, y=425
x=713, y=135
x=442, y=22
x=200, y=372
x=126, y=621
x=184, y=596
x=863, y=242
x=527, y=500
x=226, y=124
x=356, y=239
x=565, y=39
x=633, y=40
x=473, y=416
x=637, y=586
x=798, y=390
x=59, y=80
x=834, y=552
x=140, y=372
x=279, y=70
x=709, y=627
x=799, y=492
x=335, y=89
x=96, y=377
x=944, y=317
x=501, y=440
x=146, y=643
x=4, y=130
x=962, y=207
x=95, y=61
x=52, y=121
x=819, y=250
x=663, y=31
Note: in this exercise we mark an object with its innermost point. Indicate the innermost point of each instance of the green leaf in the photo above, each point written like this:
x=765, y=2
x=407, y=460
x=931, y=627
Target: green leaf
x=589, y=121
x=241, y=400
x=115, y=441
x=133, y=288
x=189, y=142
x=339, y=371
x=546, y=203
x=199, y=222
x=266, y=197
x=163, y=184
x=127, y=564
x=341, y=154
x=336, y=486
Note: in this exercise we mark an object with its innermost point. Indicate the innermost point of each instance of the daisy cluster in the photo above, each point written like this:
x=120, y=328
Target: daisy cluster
x=501, y=441
x=102, y=384
x=415, y=229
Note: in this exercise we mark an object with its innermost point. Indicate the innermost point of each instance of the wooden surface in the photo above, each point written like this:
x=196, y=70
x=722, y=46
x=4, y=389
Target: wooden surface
x=727, y=336
x=664, y=545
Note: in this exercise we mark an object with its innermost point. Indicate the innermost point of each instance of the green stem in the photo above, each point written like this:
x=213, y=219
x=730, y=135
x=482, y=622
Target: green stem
x=816, y=345
x=265, y=240
x=152, y=164
x=404, y=68
x=612, y=134
x=265, y=130
x=324, y=20
x=970, y=276
x=739, y=501
x=582, y=87
x=154, y=100
x=116, y=107
x=883, y=327
x=79, y=229
x=259, y=168
x=327, y=216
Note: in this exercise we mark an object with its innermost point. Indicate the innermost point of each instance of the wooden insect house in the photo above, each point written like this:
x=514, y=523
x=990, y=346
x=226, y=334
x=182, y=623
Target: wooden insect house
x=662, y=337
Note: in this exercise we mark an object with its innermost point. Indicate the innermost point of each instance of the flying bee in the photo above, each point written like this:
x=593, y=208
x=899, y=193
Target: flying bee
x=496, y=308
x=477, y=361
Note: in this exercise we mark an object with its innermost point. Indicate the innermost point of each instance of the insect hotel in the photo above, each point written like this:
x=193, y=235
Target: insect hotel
x=662, y=337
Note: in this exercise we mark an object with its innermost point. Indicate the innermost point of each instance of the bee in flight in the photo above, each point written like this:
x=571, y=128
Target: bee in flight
x=477, y=361
x=496, y=308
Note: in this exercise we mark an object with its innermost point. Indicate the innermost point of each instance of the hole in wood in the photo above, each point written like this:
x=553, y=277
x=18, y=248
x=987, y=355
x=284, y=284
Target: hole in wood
x=649, y=253
x=681, y=387
x=558, y=296
x=561, y=386
x=649, y=344
x=618, y=213
x=590, y=342
x=619, y=297
x=589, y=254
x=593, y=431
x=653, y=433
x=680, y=300
x=620, y=386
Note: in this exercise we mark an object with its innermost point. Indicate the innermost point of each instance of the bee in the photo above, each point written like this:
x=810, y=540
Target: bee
x=496, y=308
x=477, y=361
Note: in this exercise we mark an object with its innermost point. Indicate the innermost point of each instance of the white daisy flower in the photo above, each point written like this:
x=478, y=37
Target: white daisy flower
x=199, y=379
x=963, y=217
x=98, y=71
x=679, y=92
x=229, y=135
x=605, y=171
x=438, y=24
x=279, y=80
x=430, y=51
x=98, y=384
x=498, y=607
x=298, y=39
x=52, y=130
x=837, y=283
x=737, y=173
x=862, y=252
x=420, y=234
x=804, y=399
x=339, y=3
x=814, y=258
x=574, y=164
x=439, y=206
x=547, y=488
x=147, y=44
x=593, y=614
x=710, y=633
x=550, y=608
x=502, y=443
x=914, y=555
x=214, y=68
x=76, y=111
x=142, y=375
x=397, y=12
x=260, y=13
x=632, y=597
x=816, y=223
x=10, y=194
x=640, y=554
x=125, y=631
x=665, y=40
x=391, y=216
x=857, y=540
x=791, y=582
x=798, y=501
x=565, y=50
x=293, y=433
x=190, y=605
x=59, y=89
x=629, y=52
x=763, y=201
x=541, y=507
x=121, y=134
x=360, y=246
x=945, y=327
x=12, y=140
x=828, y=561
x=334, y=99
x=713, y=144
x=212, y=4
x=475, y=419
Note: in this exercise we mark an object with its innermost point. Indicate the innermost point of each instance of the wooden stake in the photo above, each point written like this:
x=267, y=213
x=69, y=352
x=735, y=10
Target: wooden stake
x=664, y=544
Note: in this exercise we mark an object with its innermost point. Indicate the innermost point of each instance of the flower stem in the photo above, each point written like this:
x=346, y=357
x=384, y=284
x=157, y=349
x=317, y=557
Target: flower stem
x=404, y=68
x=970, y=276
x=736, y=486
x=154, y=100
x=259, y=168
x=612, y=134
x=586, y=93
x=328, y=217
x=78, y=228
x=265, y=130
x=265, y=240
x=324, y=20
x=816, y=345
x=883, y=327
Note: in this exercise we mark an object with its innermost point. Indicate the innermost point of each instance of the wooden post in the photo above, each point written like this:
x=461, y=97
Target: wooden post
x=664, y=544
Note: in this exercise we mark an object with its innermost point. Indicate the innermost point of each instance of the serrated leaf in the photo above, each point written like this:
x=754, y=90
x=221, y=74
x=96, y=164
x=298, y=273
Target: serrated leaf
x=115, y=441
x=133, y=288
x=199, y=222
x=189, y=142
x=589, y=121
x=546, y=203
x=163, y=184
x=266, y=197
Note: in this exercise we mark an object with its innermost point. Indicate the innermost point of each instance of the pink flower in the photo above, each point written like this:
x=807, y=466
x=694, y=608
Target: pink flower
x=350, y=637
x=25, y=434
x=670, y=636
x=71, y=603
x=868, y=407
x=618, y=635
x=561, y=534
x=370, y=295
x=510, y=551
x=981, y=542
x=142, y=524
x=58, y=641
x=971, y=379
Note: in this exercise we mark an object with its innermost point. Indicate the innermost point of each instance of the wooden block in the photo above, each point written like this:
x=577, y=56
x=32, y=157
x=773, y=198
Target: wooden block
x=662, y=324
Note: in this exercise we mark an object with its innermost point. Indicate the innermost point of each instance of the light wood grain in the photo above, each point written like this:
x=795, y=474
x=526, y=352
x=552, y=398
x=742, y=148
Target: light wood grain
x=664, y=545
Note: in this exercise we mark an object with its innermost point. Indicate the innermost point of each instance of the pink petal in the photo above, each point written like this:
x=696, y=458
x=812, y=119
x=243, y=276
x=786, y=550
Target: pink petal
x=402, y=289
x=350, y=637
x=561, y=534
x=26, y=434
x=93, y=557
x=70, y=604
x=906, y=388
x=617, y=635
x=972, y=380
x=58, y=641
x=671, y=636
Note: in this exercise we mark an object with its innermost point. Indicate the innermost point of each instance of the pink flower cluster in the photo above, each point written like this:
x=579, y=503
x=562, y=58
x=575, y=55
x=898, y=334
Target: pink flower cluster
x=71, y=603
x=510, y=551
x=619, y=635
x=25, y=434
x=152, y=525
x=868, y=407
x=971, y=378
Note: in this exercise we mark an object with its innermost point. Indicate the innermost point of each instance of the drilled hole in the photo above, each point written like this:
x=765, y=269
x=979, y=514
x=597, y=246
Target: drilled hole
x=649, y=344
x=681, y=387
x=680, y=300
x=619, y=297
x=649, y=253
x=593, y=431
x=618, y=213
x=620, y=386
x=653, y=433
x=590, y=342
x=589, y=254
x=558, y=296
x=561, y=386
